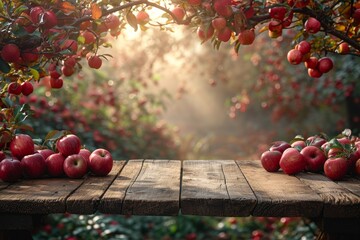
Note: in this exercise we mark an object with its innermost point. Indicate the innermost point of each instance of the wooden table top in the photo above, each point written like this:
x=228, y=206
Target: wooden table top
x=191, y=187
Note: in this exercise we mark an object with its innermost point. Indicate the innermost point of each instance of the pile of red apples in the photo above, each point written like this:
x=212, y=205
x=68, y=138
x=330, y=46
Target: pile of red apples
x=335, y=158
x=24, y=160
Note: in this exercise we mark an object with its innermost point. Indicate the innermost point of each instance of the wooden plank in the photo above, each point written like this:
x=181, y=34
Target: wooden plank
x=156, y=189
x=86, y=198
x=352, y=184
x=215, y=188
x=278, y=194
x=3, y=185
x=338, y=201
x=37, y=196
x=112, y=200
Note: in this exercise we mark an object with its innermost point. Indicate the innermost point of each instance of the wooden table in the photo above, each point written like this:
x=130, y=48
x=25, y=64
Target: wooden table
x=191, y=187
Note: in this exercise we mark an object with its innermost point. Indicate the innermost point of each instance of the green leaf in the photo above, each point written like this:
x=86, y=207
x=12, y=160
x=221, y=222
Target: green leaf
x=20, y=9
x=35, y=74
x=24, y=127
x=4, y=66
x=131, y=19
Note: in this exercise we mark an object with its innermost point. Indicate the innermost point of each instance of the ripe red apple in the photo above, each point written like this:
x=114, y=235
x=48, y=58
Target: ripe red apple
x=344, y=48
x=292, y=162
x=334, y=152
x=311, y=62
x=45, y=152
x=95, y=62
x=314, y=73
x=316, y=141
x=275, y=26
x=179, y=13
x=218, y=23
x=335, y=168
x=67, y=70
x=68, y=145
x=101, y=162
x=312, y=25
x=304, y=47
x=27, y=88
x=22, y=145
x=33, y=165
x=224, y=34
x=280, y=146
x=70, y=44
x=278, y=13
x=300, y=144
x=223, y=8
x=75, y=166
x=30, y=55
x=246, y=37
x=325, y=64
x=112, y=21
x=14, y=88
x=294, y=56
x=56, y=83
x=49, y=19
x=89, y=37
x=205, y=32
x=10, y=53
x=314, y=157
x=142, y=17
x=85, y=153
x=55, y=165
x=10, y=170
x=35, y=14
x=357, y=167
x=270, y=160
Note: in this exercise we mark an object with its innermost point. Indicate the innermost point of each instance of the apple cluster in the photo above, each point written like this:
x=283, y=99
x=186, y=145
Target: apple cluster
x=69, y=159
x=335, y=157
x=315, y=67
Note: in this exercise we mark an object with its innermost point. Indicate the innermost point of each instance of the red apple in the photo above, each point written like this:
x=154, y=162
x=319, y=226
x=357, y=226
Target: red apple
x=2, y=155
x=10, y=170
x=33, y=165
x=316, y=141
x=223, y=8
x=300, y=144
x=68, y=145
x=292, y=162
x=10, y=52
x=21, y=145
x=278, y=13
x=218, y=23
x=312, y=25
x=45, y=152
x=311, y=62
x=27, y=88
x=314, y=73
x=325, y=64
x=270, y=160
x=194, y=2
x=335, y=168
x=344, y=48
x=49, y=19
x=334, y=152
x=357, y=167
x=224, y=34
x=85, y=153
x=314, y=157
x=280, y=146
x=205, y=32
x=246, y=37
x=55, y=165
x=101, y=162
x=294, y=56
x=304, y=47
x=75, y=166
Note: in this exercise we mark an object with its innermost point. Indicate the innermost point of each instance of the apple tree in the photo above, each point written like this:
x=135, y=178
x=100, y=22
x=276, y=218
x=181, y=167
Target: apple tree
x=50, y=38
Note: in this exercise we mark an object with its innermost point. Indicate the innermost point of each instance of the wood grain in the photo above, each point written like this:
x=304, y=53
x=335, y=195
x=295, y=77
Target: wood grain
x=112, y=200
x=37, y=196
x=86, y=198
x=215, y=188
x=279, y=194
x=156, y=189
x=338, y=200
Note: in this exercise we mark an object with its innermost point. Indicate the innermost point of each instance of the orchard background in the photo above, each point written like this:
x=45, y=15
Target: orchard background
x=160, y=90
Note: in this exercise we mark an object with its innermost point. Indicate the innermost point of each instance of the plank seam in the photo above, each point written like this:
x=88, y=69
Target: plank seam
x=97, y=203
x=226, y=188
x=257, y=200
x=181, y=180
x=130, y=185
x=74, y=190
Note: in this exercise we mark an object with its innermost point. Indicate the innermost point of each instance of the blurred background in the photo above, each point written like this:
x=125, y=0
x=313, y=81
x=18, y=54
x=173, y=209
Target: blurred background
x=164, y=95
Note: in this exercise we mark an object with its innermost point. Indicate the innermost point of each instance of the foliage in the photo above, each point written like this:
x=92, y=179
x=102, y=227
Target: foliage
x=181, y=227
